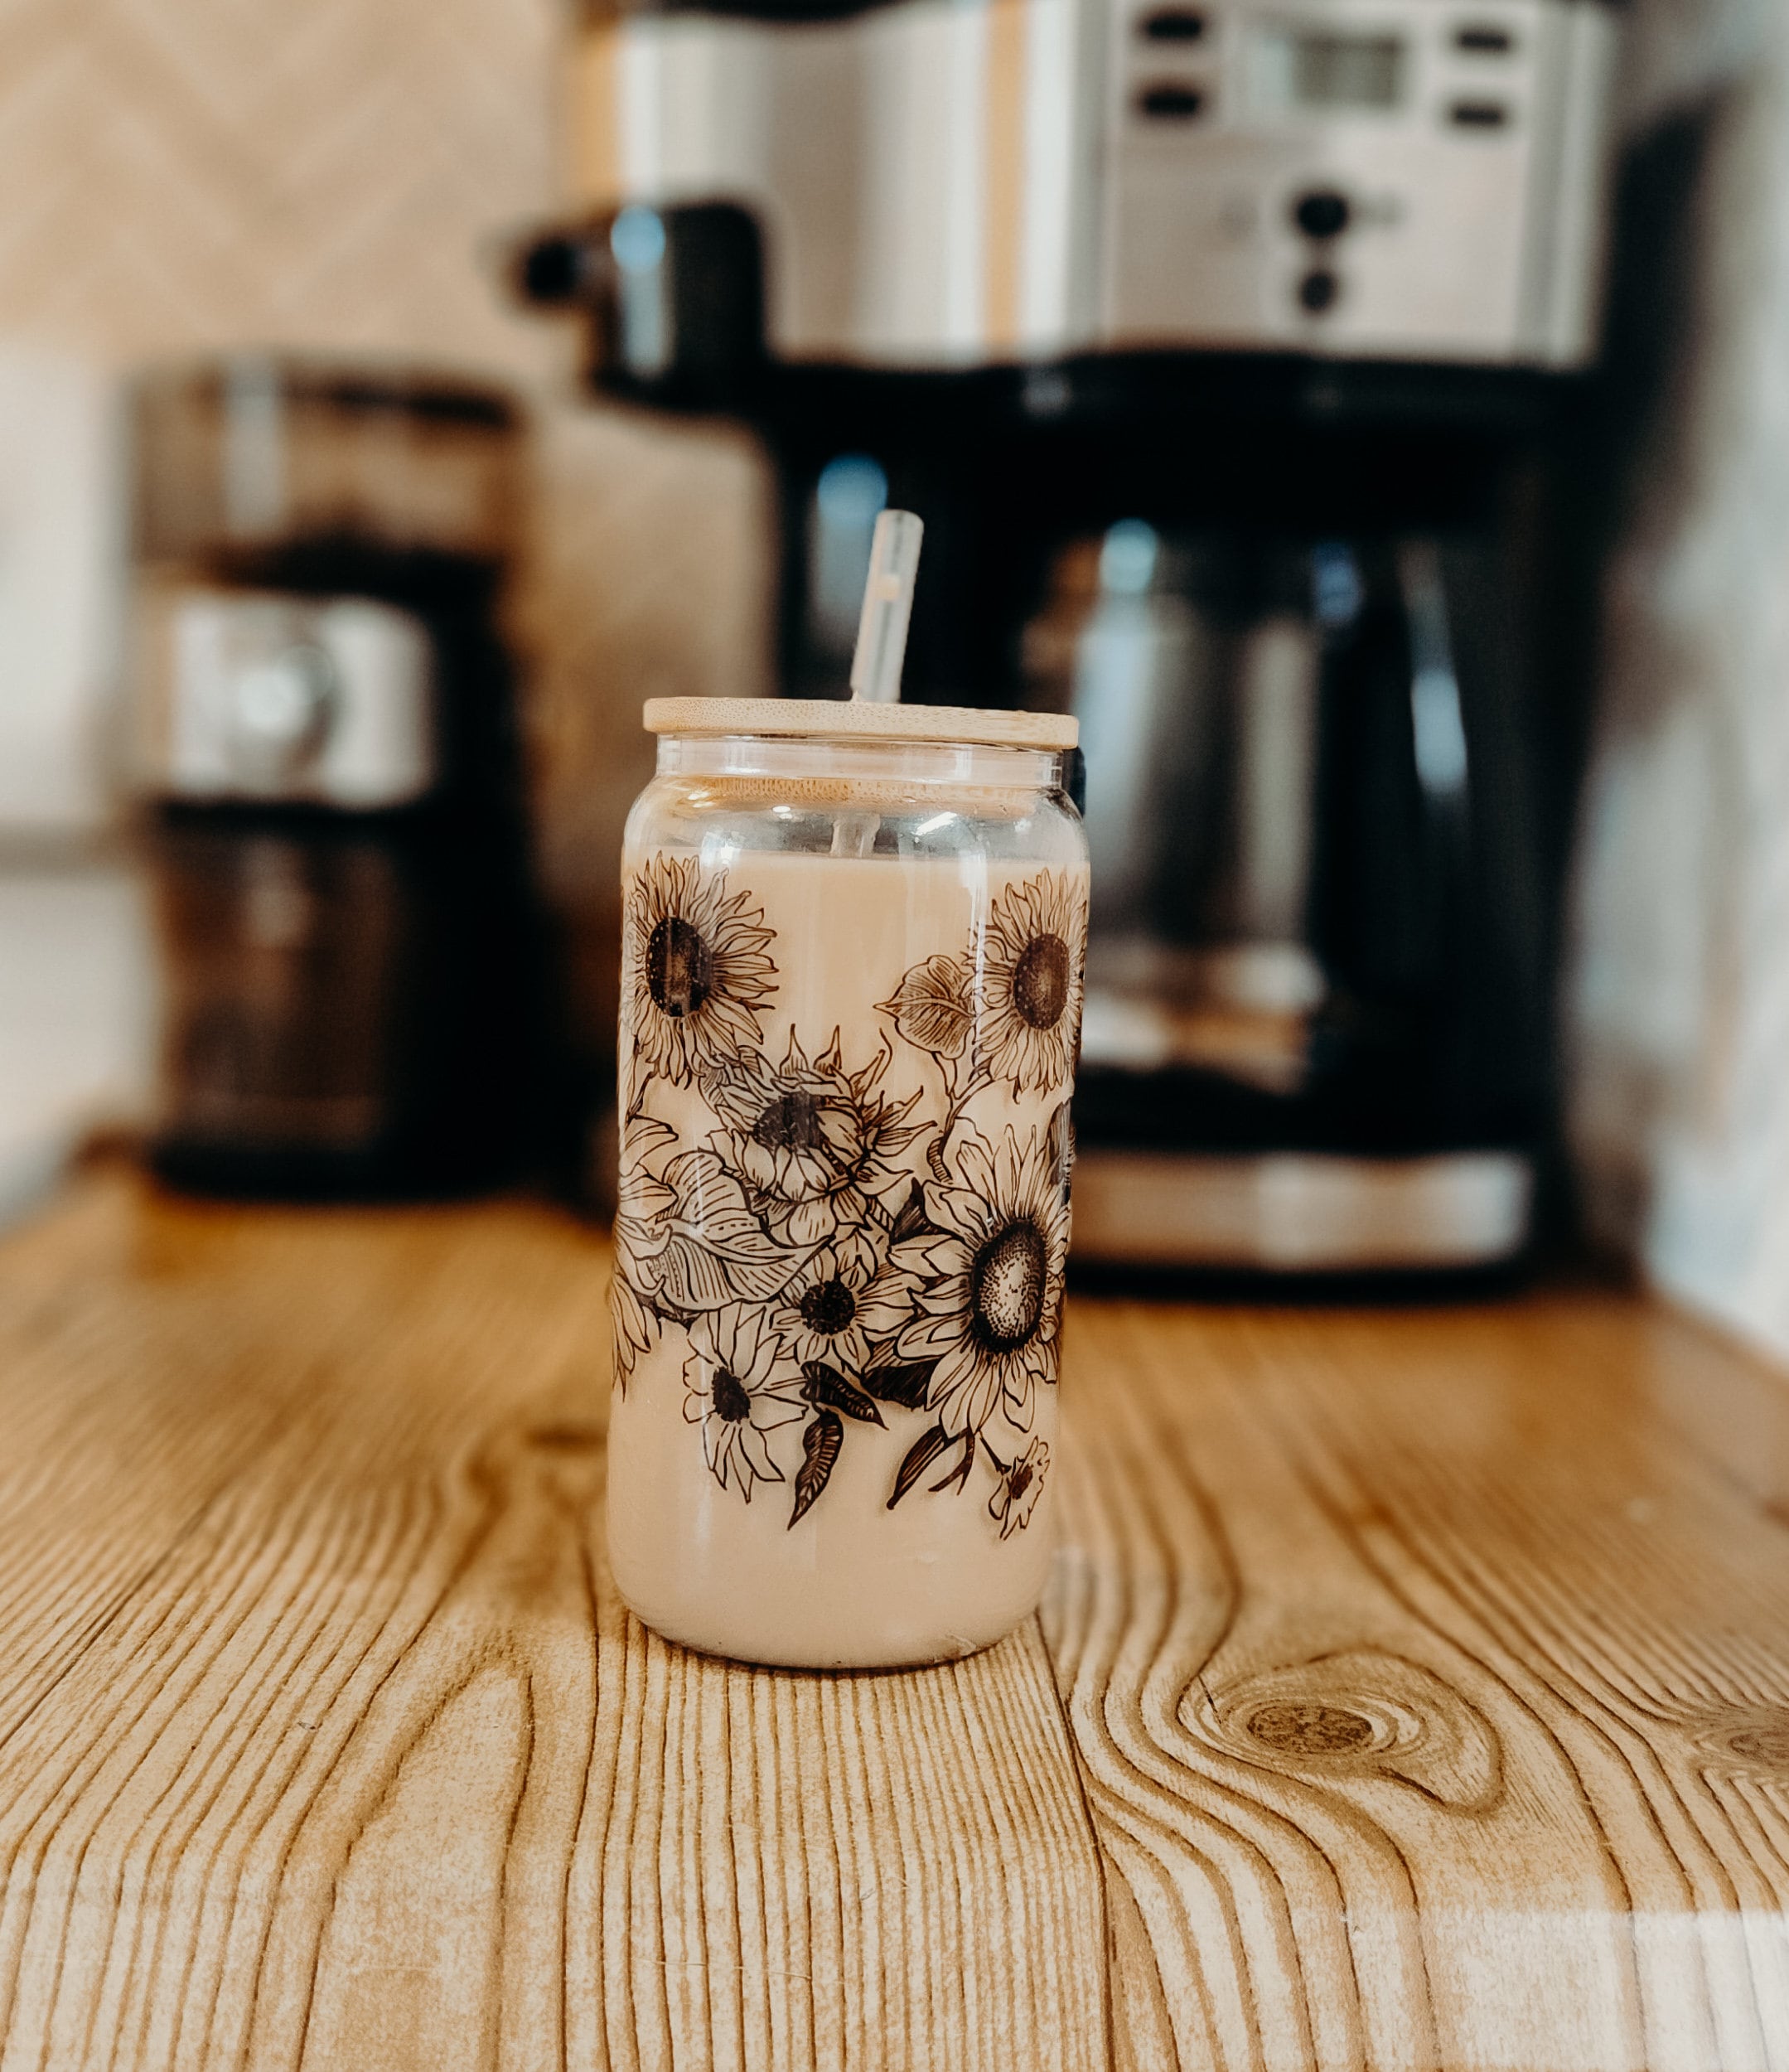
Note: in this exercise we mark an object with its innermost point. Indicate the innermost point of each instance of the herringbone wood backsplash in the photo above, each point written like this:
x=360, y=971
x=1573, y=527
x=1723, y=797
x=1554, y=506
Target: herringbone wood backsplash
x=177, y=176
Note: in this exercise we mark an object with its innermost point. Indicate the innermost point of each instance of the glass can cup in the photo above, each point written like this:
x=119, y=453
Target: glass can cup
x=853, y=947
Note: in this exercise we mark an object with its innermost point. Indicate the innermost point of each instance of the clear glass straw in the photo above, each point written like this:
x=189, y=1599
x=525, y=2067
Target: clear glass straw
x=887, y=606
x=882, y=646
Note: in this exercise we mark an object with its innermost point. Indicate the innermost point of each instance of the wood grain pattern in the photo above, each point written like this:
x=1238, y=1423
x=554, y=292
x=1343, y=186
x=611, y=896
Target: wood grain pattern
x=323, y=1741
x=1413, y=1690
x=1432, y=1676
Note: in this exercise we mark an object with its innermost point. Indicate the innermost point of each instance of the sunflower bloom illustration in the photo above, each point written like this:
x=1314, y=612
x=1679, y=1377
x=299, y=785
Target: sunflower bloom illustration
x=846, y=1300
x=696, y=977
x=816, y=1144
x=1034, y=951
x=740, y=1388
x=990, y=1300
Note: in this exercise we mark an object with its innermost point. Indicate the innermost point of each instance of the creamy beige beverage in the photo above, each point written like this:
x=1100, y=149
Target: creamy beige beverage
x=840, y=1249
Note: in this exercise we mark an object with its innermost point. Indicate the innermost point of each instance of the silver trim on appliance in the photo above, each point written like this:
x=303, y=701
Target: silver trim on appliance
x=1300, y=1211
x=266, y=694
x=959, y=183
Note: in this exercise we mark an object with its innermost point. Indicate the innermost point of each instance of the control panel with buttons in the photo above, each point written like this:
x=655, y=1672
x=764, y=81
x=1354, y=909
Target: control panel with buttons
x=1410, y=178
x=1015, y=182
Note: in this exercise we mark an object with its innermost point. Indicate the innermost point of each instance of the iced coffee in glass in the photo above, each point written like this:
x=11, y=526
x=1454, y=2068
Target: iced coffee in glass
x=851, y=989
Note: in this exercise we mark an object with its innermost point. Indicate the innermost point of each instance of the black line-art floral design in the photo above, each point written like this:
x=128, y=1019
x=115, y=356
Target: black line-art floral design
x=741, y=1388
x=696, y=979
x=716, y=1248
x=934, y=1009
x=990, y=1303
x=1016, y=1494
x=847, y=1299
x=934, y=1006
x=816, y=1144
x=821, y=1283
x=642, y=1205
x=1031, y=1005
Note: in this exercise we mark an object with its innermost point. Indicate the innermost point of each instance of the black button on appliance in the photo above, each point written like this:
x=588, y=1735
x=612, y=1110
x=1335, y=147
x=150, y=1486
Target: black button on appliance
x=1482, y=40
x=1322, y=213
x=1319, y=290
x=1170, y=102
x=1172, y=25
x=1478, y=114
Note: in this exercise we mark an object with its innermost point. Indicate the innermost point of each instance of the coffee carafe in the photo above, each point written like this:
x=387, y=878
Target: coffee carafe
x=1314, y=1036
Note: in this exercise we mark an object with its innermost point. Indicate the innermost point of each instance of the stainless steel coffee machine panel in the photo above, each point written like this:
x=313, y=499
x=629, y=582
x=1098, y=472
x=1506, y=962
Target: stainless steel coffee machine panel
x=257, y=694
x=943, y=186
x=1373, y=177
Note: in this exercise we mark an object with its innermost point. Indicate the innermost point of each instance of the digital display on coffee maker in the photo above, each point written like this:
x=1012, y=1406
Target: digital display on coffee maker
x=1299, y=69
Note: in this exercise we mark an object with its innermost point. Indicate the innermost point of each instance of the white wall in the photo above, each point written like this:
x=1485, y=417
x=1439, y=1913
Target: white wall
x=61, y=552
x=1678, y=999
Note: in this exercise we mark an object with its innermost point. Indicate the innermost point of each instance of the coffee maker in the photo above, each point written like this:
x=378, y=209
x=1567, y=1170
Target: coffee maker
x=328, y=775
x=1233, y=355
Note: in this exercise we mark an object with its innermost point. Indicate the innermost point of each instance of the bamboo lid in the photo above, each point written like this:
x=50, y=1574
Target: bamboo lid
x=838, y=718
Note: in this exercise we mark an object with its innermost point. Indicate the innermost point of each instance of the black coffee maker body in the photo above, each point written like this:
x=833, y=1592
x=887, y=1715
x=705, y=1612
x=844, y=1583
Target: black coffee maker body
x=328, y=772
x=1234, y=356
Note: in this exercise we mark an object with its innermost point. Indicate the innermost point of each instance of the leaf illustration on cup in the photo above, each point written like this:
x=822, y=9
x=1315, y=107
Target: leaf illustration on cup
x=920, y=1456
x=825, y=1385
x=934, y=1008
x=819, y=1452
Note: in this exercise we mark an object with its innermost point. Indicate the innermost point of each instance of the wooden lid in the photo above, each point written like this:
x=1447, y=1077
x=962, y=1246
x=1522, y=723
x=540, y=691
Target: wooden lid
x=839, y=719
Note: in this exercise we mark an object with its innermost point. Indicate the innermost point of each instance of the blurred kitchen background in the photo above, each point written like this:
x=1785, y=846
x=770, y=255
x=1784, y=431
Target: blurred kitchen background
x=343, y=179
x=330, y=219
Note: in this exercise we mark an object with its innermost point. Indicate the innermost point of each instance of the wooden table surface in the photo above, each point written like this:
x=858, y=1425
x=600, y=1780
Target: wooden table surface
x=1413, y=1689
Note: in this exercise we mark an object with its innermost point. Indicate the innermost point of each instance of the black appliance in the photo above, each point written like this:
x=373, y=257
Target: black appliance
x=1234, y=357
x=326, y=757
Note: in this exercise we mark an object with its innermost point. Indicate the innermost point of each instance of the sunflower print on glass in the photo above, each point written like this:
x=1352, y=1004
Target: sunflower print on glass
x=741, y=1390
x=830, y=1256
x=989, y=1271
x=847, y=1300
x=696, y=977
x=1016, y=1494
x=1034, y=951
x=817, y=1146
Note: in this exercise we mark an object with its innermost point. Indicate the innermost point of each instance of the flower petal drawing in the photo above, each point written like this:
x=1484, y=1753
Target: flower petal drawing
x=990, y=1308
x=815, y=1145
x=741, y=1390
x=1035, y=946
x=847, y=1300
x=696, y=974
x=1016, y=1494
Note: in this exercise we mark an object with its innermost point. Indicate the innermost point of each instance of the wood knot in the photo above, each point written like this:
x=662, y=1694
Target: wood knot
x=1767, y=1745
x=1363, y=1714
x=1755, y=1738
x=1310, y=1729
